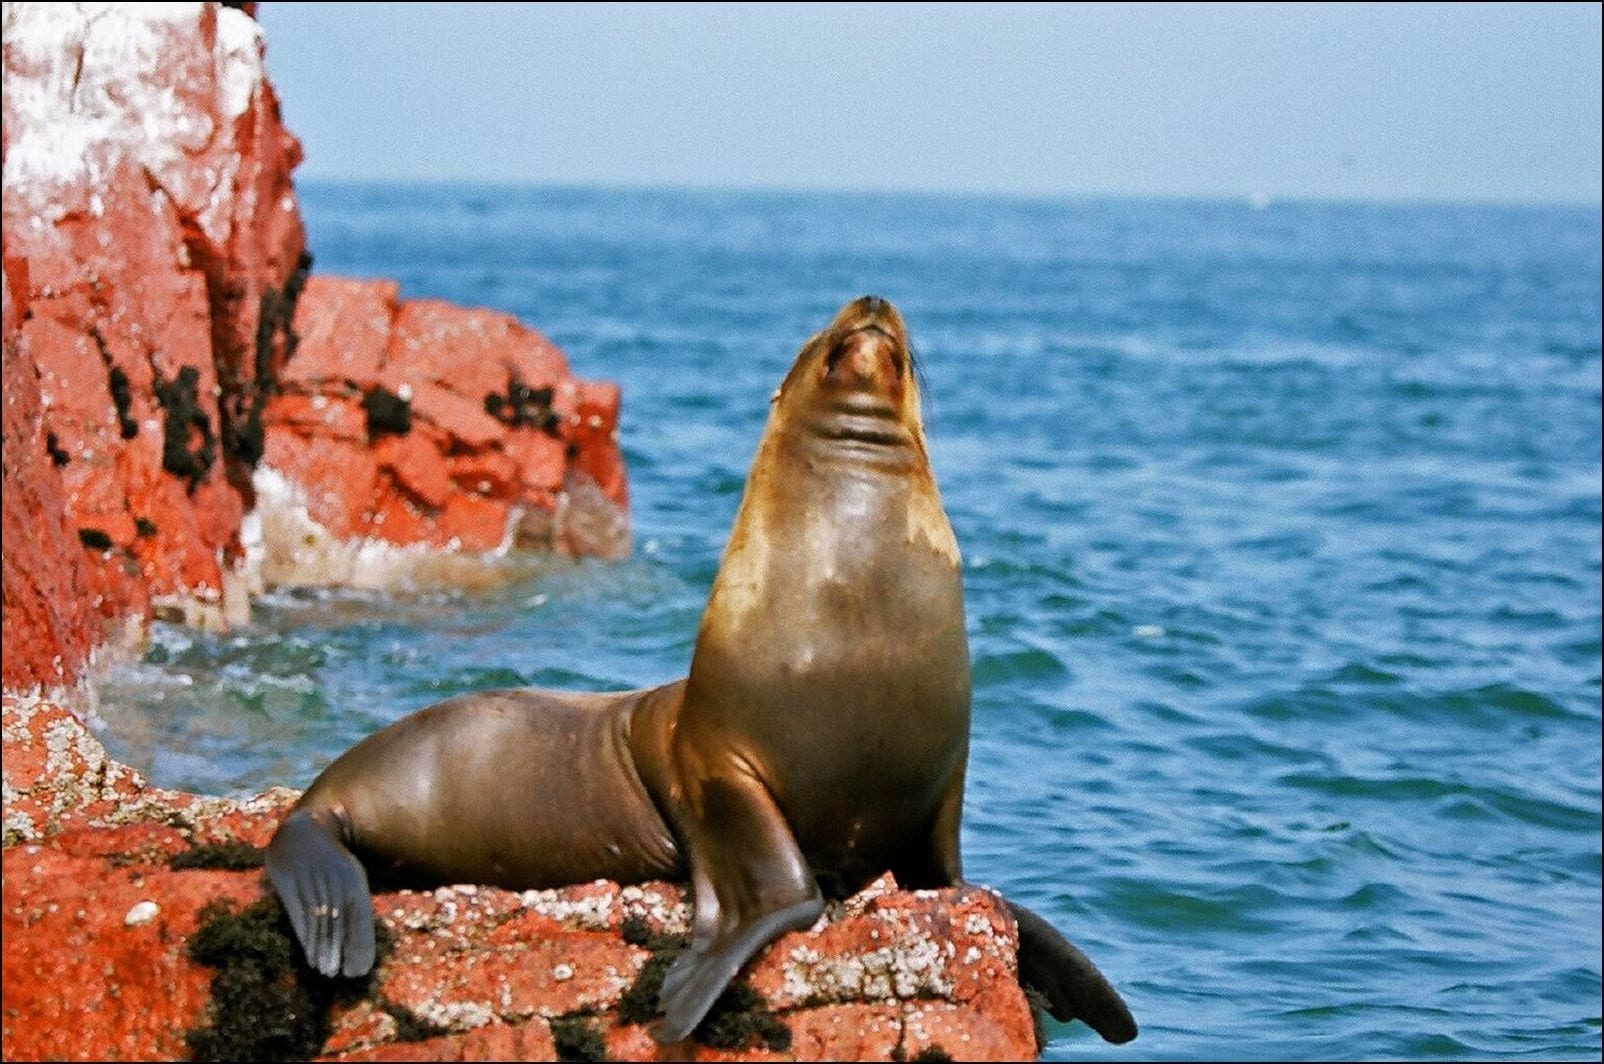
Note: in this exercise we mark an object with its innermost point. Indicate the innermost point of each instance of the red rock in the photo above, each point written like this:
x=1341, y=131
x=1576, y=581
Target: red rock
x=317, y=415
x=937, y=944
x=472, y=522
x=344, y=328
x=846, y=1032
x=491, y=473
x=54, y=769
x=397, y=519
x=564, y=973
x=589, y=524
x=143, y=843
x=14, y=289
x=188, y=529
x=542, y=461
x=417, y=466
x=455, y=472
x=634, y=1042
x=36, y=746
x=155, y=244
x=73, y=383
x=497, y=1041
x=454, y=919
x=537, y=361
x=356, y=1030
x=459, y=465
x=97, y=498
x=595, y=437
x=49, y=625
x=473, y=352
x=218, y=509
x=113, y=583
x=132, y=992
x=340, y=479
x=971, y=1032
x=527, y=925
x=463, y=419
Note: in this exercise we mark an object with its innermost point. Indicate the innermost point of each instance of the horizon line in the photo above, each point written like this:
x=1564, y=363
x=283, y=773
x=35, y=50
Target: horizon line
x=1256, y=200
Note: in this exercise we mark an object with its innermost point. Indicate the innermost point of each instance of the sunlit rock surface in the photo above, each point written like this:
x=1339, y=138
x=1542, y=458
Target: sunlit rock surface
x=98, y=927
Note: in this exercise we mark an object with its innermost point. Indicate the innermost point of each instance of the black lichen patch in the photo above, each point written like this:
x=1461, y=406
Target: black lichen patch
x=266, y=1003
x=387, y=412
x=121, y=395
x=637, y=932
x=58, y=457
x=276, y=317
x=225, y=856
x=189, y=446
x=576, y=1038
x=145, y=527
x=409, y=1026
x=122, y=399
x=244, y=437
x=94, y=539
x=739, y=1019
x=932, y=1052
x=639, y=1003
x=523, y=406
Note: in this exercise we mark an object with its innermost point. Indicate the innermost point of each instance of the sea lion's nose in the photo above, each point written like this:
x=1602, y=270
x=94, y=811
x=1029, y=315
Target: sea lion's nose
x=863, y=360
x=873, y=304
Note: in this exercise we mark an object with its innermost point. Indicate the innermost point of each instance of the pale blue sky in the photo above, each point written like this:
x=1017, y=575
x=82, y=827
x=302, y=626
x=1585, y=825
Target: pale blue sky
x=1496, y=102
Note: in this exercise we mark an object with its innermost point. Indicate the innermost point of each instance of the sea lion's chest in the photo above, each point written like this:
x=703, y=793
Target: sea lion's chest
x=833, y=659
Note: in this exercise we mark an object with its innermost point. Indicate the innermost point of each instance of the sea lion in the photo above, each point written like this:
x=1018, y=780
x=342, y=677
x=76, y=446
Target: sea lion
x=819, y=740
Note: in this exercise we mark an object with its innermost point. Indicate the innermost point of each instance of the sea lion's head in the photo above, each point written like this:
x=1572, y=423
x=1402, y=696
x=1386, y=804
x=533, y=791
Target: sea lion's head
x=853, y=392
x=841, y=490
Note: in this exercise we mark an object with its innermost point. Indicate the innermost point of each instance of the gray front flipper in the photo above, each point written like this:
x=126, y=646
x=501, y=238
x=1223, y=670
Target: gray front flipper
x=751, y=885
x=325, y=893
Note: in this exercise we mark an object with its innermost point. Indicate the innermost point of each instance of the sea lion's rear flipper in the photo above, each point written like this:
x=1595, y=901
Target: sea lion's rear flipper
x=325, y=893
x=752, y=885
x=1067, y=978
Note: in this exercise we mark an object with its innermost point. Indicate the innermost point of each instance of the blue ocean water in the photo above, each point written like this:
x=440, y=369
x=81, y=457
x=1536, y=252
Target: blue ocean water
x=1281, y=534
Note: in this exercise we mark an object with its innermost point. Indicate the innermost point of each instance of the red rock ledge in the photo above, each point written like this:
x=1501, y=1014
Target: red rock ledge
x=188, y=415
x=97, y=926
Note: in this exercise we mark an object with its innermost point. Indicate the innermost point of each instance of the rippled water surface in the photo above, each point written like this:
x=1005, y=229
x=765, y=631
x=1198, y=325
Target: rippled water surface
x=1281, y=536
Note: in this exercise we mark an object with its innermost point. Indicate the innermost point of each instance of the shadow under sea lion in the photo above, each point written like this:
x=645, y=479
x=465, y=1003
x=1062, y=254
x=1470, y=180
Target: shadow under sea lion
x=821, y=736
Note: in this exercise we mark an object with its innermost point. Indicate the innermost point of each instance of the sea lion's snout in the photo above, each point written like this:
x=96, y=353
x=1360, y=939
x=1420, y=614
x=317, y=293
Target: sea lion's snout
x=871, y=311
x=852, y=392
x=868, y=348
x=864, y=359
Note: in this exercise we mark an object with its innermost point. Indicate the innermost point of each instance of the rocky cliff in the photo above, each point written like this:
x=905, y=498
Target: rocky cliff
x=169, y=363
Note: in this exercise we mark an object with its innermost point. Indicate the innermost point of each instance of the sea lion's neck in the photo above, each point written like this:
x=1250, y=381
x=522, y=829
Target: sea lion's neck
x=833, y=497
x=855, y=436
